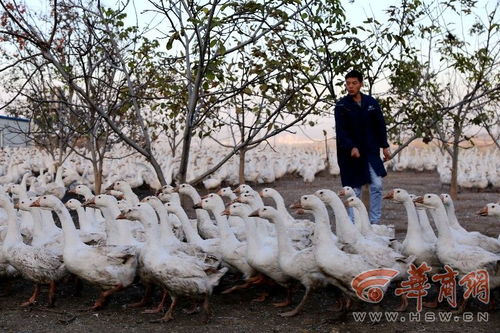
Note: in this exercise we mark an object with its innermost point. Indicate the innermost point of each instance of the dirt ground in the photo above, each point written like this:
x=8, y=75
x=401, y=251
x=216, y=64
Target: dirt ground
x=237, y=313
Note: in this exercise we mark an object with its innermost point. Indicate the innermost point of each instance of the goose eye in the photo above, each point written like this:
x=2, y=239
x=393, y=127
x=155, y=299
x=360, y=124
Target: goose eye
x=305, y=198
x=397, y=191
x=321, y=192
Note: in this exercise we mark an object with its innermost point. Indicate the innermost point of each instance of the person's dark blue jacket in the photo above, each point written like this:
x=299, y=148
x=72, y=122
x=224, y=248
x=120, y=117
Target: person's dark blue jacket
x=362, y=127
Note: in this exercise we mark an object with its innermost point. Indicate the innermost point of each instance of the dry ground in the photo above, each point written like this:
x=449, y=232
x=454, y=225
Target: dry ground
x=236, y=312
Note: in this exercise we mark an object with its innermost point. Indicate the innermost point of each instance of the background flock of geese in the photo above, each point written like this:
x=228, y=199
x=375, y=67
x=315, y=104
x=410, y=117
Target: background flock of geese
x=121, y=239
x=478, y=167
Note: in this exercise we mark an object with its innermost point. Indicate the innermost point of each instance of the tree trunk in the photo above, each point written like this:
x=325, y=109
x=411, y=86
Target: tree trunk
x=158, y=170
x=97, y=177
x=327, y=162
x=186, y=145
x=454, y=171
x=241, y=171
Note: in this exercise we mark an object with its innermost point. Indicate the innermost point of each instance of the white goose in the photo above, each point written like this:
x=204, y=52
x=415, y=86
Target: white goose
x=167, y=221
x=424, y=222
x=354, y=242
x=87, y=231
x=112, y=268
x=262, y=250
x=210, y=246
x=126, y=189
x=94, y=215
x=116, y=233
x=45, y=232
x=206, y=227
x=337, y=264
x=357, y=204
x=300, y=265
x=415, y=242
x=227, y=192
x=280, y=206
x=180, y=274
x=464, y=258
x=37, y=264
x=233, y=251
x=363, y=225
x=465, y=237
x=491, y=209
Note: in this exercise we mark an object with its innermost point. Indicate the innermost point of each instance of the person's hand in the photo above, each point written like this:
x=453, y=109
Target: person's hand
x=387, y=154
x=355, y=153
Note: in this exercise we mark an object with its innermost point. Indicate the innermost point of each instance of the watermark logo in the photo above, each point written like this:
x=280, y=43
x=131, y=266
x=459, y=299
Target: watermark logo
x=416, y=286
x=369, y=286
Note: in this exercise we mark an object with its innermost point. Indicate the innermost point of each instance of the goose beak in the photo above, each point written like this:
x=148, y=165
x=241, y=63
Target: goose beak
x=296, y=205
x=121, y=217
x=225, y=212
x=419, y=200
x=300, y=211
x=261, y=194
x=197, y=206
x=346, y=204
x=341, y=193
x=176, y=189
x=35, y=203
x=72, y=191
x=237, y=190
x=238, y=199
x=483, y=211
x=16, y=205
x=255, y=213
x=204, y=197
x=219, y=192
x=389, y=195
x=110, y=187
x=441, y=196
x=89, y=203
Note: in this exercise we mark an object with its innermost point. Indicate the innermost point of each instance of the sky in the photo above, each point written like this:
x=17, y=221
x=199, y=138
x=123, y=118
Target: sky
x=357, y=11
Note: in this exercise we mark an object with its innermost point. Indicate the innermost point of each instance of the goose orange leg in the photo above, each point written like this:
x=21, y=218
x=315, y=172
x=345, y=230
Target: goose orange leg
x=33, y=297
x=206, y=309
x=52, y=293
x=146, y=298
x=169, y=315
x=287, y=300
x=101, y=301
x=299, y=307
x=160, y=306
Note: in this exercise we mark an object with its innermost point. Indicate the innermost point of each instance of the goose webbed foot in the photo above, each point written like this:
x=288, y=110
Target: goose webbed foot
x=261, y=298
x=287, y=301
x=33, y=298
x=103, y=298
x=146, y=298
x=169, y=314
x=299, y=307
x=161, y=307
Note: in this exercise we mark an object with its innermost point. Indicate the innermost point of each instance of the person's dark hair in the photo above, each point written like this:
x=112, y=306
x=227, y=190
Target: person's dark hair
x=354, y=74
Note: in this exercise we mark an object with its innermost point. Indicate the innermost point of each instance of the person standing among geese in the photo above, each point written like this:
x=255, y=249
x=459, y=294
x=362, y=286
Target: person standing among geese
x=360, y=134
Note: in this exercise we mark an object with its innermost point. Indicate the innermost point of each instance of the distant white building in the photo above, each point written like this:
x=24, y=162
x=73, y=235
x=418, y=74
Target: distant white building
x=13, y=131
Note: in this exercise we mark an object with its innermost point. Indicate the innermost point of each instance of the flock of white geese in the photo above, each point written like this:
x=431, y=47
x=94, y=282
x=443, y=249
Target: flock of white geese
x=477, y=167
x=120, y=239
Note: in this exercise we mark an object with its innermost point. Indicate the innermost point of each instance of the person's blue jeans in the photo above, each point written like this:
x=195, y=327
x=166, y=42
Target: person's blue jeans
x=375, y=211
